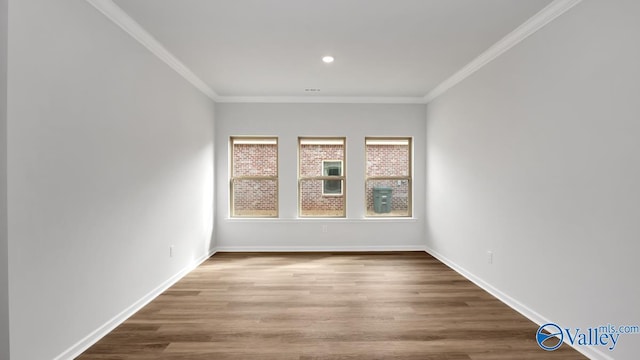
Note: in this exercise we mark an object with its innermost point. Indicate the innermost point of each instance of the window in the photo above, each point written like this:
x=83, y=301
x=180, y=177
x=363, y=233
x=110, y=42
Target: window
x=332, y=168
x=388, y=177
x=254, y=176
x=321, y=177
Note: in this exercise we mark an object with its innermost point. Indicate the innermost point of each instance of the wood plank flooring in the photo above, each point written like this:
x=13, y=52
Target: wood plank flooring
x=304, y=306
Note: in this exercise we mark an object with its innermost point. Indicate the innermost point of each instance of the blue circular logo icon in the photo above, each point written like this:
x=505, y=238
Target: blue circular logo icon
x=549, y=336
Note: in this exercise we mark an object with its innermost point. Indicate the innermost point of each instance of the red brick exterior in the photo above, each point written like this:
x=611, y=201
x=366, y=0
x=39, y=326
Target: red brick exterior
x=255, y=197
x=255, y=160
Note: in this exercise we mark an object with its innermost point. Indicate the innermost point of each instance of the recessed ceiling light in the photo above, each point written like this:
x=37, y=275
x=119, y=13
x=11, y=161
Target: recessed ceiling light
x=328, y=59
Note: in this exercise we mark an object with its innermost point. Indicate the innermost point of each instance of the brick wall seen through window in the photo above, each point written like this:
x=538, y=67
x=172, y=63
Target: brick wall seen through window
x=254, y=180
x=321, y=192
x=388, y=177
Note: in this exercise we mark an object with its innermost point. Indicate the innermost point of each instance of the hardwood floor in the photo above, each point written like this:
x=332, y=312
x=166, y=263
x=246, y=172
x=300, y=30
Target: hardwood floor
x=305, y=306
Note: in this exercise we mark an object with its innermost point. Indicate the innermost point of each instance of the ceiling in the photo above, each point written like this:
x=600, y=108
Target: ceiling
x=382, y=48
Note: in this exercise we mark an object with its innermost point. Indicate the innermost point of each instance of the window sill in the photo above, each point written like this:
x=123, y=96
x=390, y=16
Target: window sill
x=327, y=219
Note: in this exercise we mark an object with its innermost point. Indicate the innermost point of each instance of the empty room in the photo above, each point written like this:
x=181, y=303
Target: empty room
x=319, y=179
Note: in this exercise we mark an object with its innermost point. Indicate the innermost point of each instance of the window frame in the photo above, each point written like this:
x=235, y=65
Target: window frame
x=233, y=178
x=342, y=177
x=408, y=178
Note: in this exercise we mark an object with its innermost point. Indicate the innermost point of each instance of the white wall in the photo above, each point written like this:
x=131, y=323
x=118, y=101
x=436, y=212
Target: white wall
x=4, y=261
x=110, y=161
x=288, y=121
x=536, y=157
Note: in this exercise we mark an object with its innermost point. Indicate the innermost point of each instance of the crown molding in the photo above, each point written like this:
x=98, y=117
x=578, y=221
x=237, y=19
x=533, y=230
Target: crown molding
x=321, y=99
x=535, y=23
x=130, y=26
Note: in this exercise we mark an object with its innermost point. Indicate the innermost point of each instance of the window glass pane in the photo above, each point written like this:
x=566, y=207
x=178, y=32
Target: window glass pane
x=314, y=203
x=312, y=156
x=255, y=158
x=253, y=197
x=388, y=197
x=332, y=168
x=332, y=187
x=388, y=157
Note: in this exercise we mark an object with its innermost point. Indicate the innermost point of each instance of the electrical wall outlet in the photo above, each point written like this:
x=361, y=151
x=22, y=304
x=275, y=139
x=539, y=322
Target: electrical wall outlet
x=171, y=251
x=325, y=228
x=489, y=257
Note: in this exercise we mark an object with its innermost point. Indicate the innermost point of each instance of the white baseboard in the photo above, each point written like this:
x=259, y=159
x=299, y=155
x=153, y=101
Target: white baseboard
x=516, y=305
x=82, y=345
x=319, y=248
